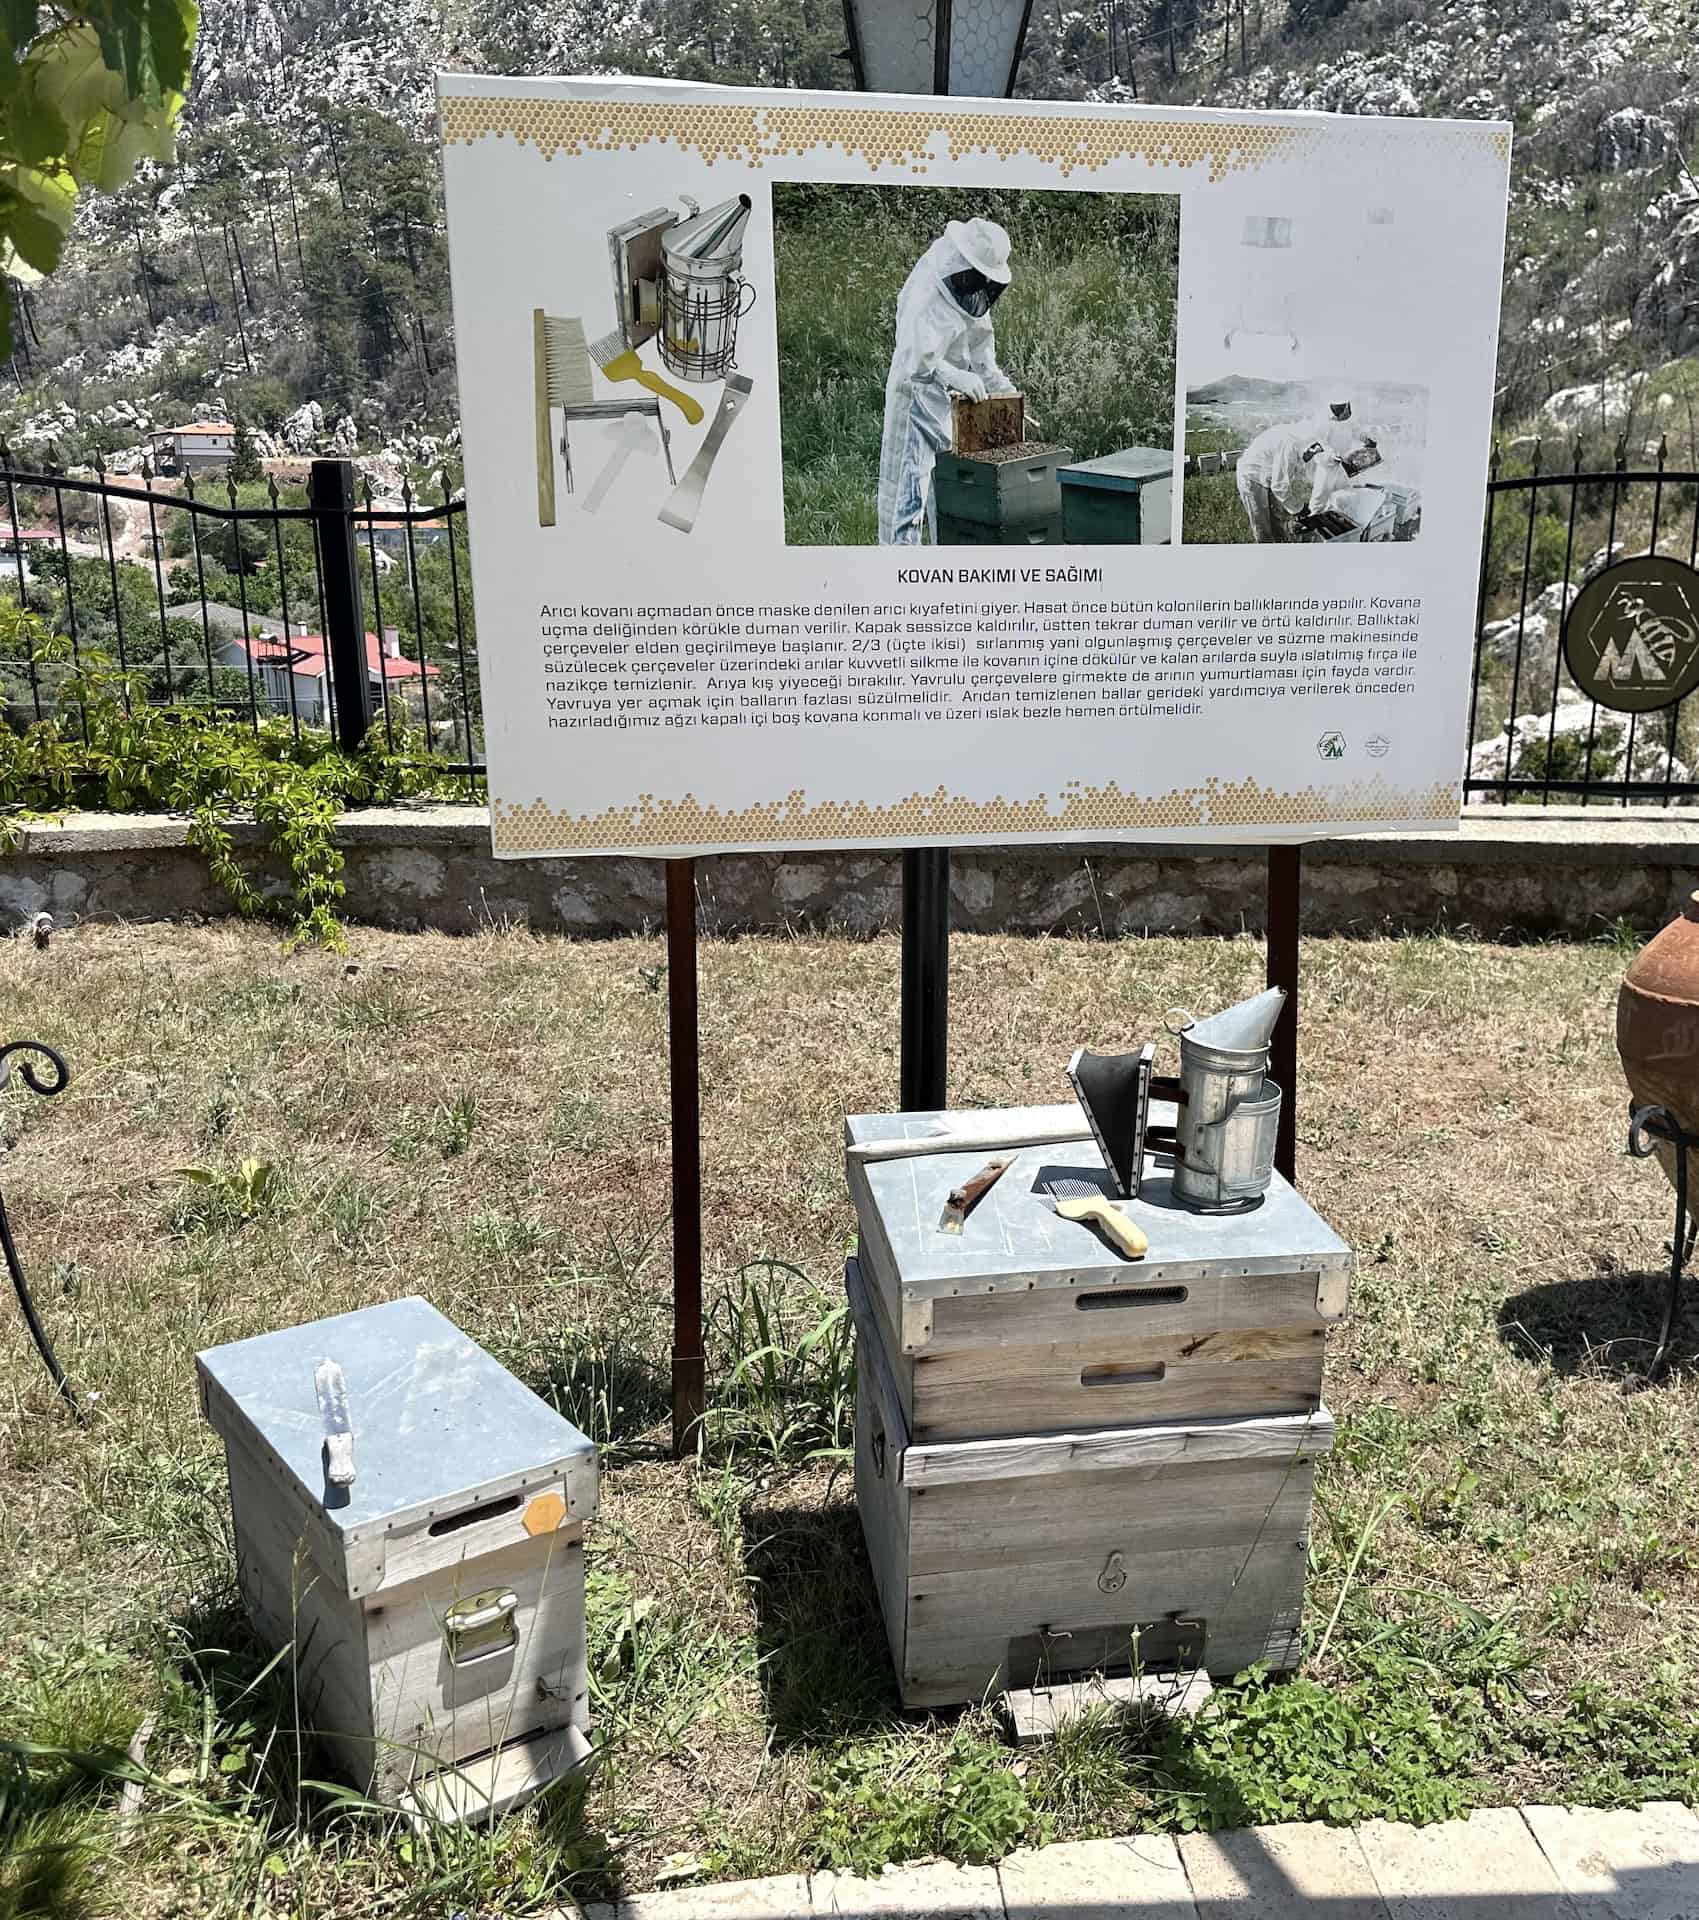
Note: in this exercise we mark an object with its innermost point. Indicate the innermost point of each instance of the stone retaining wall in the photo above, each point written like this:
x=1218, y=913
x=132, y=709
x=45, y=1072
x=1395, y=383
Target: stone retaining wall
x=1515, y=872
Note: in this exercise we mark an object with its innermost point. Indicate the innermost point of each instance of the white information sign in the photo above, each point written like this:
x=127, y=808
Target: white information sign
x=849, y=470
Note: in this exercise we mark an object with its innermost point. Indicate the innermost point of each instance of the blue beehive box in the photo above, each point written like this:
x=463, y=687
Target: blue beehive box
x=1124, y=499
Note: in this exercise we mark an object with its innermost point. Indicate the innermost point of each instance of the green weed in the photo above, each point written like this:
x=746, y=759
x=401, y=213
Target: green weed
x=892, y=1800
x=783, y=1357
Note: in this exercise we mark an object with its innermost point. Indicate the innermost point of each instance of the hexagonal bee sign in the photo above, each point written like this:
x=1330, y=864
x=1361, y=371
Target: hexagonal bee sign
x=1632, y=636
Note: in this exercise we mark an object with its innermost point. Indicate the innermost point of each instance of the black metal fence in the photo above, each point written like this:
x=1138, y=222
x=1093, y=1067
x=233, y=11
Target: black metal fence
x=316, y=610
x=1534, y=738
x=331, y=611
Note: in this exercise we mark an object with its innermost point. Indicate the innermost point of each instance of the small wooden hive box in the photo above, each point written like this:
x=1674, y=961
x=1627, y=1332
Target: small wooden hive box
x=1062, y=1455
x=1123, y=499
x=437, y=1602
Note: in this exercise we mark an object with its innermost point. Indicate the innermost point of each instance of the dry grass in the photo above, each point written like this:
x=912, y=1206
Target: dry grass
x=484, y=1121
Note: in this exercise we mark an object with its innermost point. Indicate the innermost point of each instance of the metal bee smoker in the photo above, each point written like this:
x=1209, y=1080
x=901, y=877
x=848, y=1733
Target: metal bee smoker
x=1227, y=1110
x=702, y=292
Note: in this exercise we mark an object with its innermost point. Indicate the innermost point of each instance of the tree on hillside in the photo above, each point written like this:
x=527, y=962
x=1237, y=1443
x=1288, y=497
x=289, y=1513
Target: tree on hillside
x=244, y=455
x=84, y=95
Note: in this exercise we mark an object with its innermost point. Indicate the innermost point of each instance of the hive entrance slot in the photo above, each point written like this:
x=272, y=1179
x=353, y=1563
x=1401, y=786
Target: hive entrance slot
x=1056, y=1655
x=470, y=1516
x=1131, y=1297
x=1118, y=1376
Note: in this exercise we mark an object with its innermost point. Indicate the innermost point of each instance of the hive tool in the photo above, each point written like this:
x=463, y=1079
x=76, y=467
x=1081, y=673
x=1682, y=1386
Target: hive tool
x=685, y=501
x=332, y=1391
x=967, y=1196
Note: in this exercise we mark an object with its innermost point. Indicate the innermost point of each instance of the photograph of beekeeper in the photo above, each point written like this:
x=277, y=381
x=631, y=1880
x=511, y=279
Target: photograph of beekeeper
x=905, y=312
x=1306, y=419
x=1290, y=472
x=945, y=344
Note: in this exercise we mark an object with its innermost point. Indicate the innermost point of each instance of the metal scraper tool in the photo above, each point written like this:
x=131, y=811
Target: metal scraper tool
x=967, y=1196
x=685, y=502
x=332, y=1391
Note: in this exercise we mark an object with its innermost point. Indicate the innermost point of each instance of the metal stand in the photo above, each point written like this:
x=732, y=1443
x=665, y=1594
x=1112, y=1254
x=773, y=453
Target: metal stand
x=1646, y=1127
x=60, y=1080
x=684, y=1073
x=926, y=978
x=1284, y=867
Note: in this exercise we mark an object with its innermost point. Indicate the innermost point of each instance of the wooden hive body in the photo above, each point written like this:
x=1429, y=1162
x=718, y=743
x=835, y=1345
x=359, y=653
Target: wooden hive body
x=437, y=1611
x=1123, y=499
x=1019, y=1561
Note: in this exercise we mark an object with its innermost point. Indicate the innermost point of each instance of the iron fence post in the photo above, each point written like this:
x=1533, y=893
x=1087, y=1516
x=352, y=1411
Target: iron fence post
x=330, y=493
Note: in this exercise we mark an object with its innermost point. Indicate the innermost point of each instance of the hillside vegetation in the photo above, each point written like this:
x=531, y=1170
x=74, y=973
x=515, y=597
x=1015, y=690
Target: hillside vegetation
x=291, y=268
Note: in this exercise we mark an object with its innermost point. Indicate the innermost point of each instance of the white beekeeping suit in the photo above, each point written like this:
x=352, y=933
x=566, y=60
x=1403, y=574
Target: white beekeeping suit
x=945, y=344
x=1287, y=470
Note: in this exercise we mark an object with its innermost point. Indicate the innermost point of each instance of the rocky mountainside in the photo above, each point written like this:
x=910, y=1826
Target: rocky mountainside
x=291, y=267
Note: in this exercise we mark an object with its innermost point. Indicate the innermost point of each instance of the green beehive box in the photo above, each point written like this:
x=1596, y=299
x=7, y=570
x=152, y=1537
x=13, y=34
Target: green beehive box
x=1122, y=500
x=990, y=491
x=1044, y=532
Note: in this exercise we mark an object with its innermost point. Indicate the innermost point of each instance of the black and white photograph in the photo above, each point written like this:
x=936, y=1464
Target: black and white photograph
x=1297, y=426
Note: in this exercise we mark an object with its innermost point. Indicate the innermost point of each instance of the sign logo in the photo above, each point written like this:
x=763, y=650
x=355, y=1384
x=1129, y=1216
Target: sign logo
x=1632, y=636
x=1377, y=746
x=1331, y=746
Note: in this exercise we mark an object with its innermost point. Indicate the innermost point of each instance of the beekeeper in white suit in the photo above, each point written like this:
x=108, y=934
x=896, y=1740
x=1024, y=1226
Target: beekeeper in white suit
x=945, y=344
x=1292, y=469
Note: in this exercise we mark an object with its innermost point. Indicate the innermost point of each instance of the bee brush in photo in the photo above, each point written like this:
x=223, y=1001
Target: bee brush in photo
x=620, y=362
x=564, y=381
x=562, y=373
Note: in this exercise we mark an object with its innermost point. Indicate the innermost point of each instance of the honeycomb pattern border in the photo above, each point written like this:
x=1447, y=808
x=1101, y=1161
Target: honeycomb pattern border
x=881, y=138
x=797, y=821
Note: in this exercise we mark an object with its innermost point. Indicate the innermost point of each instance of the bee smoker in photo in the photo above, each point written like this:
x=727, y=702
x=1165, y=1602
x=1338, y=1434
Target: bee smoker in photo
x=702, y=291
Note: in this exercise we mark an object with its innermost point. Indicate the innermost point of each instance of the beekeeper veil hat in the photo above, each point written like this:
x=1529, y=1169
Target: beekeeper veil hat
x=979, y=281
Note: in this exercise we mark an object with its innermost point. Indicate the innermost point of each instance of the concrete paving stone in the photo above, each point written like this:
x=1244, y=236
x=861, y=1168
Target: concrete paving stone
x=784, y=1897
x=1140, y=1877
x=929, y=1890
x=1488, y=1867
x=1278, y=1873
x=1623, y=1865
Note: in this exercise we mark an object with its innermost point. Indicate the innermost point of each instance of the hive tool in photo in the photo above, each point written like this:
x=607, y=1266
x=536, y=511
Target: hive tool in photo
x=686, y=499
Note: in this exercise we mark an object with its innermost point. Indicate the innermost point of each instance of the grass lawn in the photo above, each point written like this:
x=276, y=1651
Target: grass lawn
x=483, y=1121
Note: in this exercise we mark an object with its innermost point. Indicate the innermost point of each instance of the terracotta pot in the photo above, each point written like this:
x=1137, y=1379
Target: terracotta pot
x=1657, y=1025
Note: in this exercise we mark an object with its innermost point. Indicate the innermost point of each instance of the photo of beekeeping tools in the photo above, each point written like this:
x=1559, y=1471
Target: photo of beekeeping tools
x=1116, y=1453
x=563, y=385
x=685, y=502
x=410, y=1518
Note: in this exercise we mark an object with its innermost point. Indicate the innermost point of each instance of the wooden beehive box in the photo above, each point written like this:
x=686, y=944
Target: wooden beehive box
x=1025, y=1323
x=436, y=1605
x=1025, y=1560
x=1005, y=492
x=1123, y=499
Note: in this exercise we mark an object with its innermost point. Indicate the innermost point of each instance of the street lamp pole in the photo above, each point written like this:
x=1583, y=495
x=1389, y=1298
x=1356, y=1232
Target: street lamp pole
x=970, y=47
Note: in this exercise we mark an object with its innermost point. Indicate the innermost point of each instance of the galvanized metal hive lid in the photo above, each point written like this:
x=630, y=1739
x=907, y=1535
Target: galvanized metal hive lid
x=436, y=1420
x=1013, y=1234
x=1123, y=471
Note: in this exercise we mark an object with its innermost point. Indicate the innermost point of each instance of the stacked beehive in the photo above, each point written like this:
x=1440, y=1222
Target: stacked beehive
x=1062, y=1455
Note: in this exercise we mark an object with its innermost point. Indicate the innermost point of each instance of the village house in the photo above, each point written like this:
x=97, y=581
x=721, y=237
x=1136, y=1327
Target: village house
x=195, y=448
x=293, y=678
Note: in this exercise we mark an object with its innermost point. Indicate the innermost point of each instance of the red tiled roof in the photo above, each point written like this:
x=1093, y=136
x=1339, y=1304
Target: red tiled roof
x=307, y=651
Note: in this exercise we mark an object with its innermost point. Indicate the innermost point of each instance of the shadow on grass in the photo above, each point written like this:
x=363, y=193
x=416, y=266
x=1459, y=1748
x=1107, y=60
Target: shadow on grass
x=1605, y=1327
x=825, y=1663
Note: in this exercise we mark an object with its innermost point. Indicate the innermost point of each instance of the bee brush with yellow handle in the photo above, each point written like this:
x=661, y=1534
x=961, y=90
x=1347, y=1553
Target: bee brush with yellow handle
x=620, y=362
